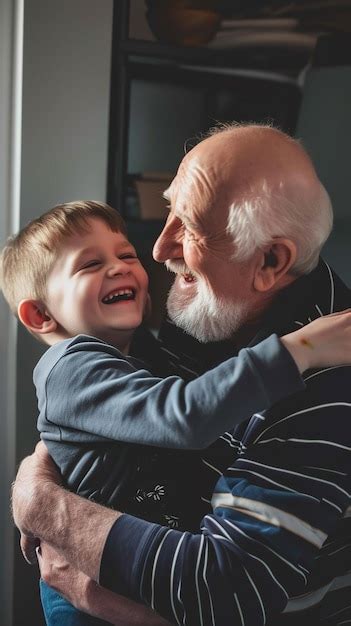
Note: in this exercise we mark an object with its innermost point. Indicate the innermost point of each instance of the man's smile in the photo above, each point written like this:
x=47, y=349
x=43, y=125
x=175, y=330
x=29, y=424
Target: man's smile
x=181, y=270
x=189, y=278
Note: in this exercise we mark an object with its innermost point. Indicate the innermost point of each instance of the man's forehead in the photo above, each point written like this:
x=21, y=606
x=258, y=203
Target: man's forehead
x=200, y=211
x=194, y=177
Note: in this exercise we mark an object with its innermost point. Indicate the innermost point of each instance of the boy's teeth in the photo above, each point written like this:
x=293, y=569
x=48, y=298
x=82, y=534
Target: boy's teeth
x=127, y=293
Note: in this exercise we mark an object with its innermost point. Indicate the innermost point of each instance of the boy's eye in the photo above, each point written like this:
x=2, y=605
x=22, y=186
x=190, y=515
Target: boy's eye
x=128, y=255
x=91, y=263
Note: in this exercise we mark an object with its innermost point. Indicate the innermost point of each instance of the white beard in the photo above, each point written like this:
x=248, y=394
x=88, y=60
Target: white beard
x=204, y=316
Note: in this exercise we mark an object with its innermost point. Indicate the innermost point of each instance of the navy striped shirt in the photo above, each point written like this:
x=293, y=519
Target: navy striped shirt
x=279, y=536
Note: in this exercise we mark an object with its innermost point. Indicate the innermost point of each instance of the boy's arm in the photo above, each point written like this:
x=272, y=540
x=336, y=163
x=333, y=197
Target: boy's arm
x=108, y=397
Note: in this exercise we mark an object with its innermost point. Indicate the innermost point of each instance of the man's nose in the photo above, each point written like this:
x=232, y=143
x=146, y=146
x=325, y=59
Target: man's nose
x=169, y=244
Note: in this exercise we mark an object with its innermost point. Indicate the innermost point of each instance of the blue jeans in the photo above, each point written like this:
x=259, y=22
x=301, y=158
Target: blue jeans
x=59, y=612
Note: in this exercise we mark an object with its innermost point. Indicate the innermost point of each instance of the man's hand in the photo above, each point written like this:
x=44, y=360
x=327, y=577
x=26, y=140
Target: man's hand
x=76, y=527
x=86, y=595
x=35, y=470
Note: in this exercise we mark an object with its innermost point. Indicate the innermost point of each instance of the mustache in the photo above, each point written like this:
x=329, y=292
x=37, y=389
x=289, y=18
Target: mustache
x=178, y=267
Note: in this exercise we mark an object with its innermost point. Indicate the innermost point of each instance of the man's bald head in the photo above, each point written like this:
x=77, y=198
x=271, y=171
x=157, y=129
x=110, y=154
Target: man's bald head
x=247, y=216
x=244, y=156
x=268, y=187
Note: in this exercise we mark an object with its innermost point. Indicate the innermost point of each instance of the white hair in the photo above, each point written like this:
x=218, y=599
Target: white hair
x=303, y=215
x=254, y=222
x=204, y=315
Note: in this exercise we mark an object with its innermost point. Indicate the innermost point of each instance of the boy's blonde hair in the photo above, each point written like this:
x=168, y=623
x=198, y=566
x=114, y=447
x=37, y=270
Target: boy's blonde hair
x=27, y=258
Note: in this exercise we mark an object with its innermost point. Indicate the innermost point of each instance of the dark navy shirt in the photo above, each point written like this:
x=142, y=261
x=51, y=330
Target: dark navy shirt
x=279, y=536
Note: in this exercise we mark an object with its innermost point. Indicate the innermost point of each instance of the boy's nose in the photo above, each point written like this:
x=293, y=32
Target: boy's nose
x=116, y=267
x=169, y=244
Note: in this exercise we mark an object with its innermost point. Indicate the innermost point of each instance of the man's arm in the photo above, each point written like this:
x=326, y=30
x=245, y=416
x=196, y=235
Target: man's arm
x=274, y=509
x=87, y=596
x=79, y=529
x=238, y=567
x=76, y=527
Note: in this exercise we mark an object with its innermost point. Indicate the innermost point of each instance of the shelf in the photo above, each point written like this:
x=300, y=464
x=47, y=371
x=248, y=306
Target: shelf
x=225, y=79
x=143, y=233
x=277, y=58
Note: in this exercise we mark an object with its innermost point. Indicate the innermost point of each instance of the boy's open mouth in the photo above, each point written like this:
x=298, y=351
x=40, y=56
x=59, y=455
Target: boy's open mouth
x=119, y=295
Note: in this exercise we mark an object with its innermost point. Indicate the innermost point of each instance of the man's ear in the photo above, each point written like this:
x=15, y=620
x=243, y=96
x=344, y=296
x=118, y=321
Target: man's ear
x=35, y=317
x=274, y=265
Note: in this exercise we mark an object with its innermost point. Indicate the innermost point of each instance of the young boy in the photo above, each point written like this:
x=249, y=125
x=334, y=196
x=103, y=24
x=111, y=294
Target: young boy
x=75, y=282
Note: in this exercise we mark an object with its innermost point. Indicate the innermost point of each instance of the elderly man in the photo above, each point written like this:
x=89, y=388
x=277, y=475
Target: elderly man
x=248, y=217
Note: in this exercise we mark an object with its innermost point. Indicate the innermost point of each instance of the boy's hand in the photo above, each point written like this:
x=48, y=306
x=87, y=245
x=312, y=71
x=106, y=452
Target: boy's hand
x=324, y=342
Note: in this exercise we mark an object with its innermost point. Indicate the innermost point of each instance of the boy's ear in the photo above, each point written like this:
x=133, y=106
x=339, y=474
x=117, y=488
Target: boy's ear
x=35, y=317
x=274, y=265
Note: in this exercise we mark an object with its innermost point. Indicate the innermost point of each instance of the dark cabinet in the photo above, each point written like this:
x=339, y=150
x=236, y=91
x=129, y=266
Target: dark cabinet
x=163, y=97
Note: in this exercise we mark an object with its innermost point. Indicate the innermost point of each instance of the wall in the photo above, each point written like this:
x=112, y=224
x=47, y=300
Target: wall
x=325, y=128
x=64, y=155
x=66, y=75
x=11, y=37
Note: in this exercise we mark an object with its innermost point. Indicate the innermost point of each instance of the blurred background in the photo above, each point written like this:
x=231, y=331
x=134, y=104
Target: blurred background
x=99, y=100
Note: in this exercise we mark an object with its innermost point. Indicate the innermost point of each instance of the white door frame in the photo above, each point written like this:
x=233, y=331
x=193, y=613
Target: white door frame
x=11, y=59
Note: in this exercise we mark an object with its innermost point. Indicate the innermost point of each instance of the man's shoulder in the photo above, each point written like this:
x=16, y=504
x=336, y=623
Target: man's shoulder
x=330, y=384
x=307, y=437
x=327, y=390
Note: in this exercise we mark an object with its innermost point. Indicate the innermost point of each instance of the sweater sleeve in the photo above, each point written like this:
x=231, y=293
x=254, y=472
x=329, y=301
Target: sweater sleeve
x=237, y=570
x=274, y=508
x=240, y=568
x=107, y=396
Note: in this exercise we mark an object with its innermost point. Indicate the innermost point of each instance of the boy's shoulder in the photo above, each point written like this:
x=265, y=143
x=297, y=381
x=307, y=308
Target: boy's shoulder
x=72, y=346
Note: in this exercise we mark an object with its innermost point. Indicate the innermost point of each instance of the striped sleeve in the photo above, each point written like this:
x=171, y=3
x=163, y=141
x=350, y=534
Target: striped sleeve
x=241, y=567
x=272, y=514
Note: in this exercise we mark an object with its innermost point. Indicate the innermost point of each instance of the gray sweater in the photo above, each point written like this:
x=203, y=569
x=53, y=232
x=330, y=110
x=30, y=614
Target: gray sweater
x=104, y=417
